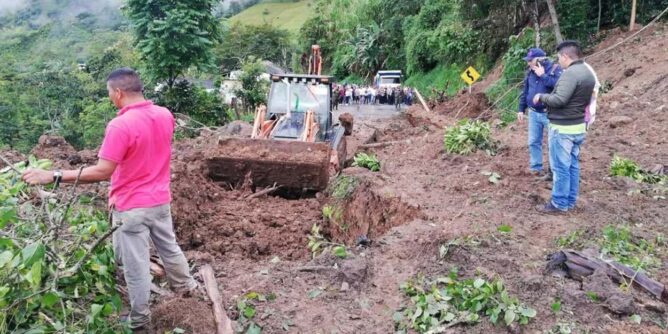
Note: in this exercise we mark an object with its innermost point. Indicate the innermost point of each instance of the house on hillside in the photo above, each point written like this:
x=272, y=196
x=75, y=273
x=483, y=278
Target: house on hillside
x=231, y=84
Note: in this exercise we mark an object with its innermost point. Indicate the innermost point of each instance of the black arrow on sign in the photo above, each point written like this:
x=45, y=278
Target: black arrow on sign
x=468, y=74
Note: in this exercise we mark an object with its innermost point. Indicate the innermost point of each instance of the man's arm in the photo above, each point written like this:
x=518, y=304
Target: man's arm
x=550, y=78
x=100, y=172
x=523, y=95
x=562, y=92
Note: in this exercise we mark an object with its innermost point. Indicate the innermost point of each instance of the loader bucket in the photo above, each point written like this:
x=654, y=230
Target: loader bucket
x=293, y=165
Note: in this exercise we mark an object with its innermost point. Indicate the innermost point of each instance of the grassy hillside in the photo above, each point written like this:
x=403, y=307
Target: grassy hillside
x=287, y=15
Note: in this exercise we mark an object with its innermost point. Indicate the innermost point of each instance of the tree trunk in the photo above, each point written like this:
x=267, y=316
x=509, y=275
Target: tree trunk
x=555, y=21
x=536, y=24
x=633, y=16
x=598, y=23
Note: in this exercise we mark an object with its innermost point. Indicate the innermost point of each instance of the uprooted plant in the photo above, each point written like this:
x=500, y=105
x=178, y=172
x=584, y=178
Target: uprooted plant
x=56, y=268
x=467, y=137
x=628, y=168
x=620, y=244
x=368, y=161
x=318, y=244
x=447, y=301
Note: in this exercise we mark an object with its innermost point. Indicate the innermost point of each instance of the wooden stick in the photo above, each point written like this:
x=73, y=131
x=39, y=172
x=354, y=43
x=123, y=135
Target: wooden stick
x=386, y=143
x=223, y=322
x=10, y=165
x=263, y=192
x=424, y=105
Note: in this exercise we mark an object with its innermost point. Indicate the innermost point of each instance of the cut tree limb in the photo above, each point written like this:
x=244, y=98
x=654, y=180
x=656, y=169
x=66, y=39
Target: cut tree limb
x=386, y=143
x=578, y=265
x=424, y=105
x=223, y=322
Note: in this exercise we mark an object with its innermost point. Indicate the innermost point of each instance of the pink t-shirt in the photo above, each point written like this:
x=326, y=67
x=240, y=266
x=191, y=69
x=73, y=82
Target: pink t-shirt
x=139, y=140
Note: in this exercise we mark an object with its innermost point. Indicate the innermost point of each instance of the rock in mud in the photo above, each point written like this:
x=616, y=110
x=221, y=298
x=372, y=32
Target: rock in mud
x=607, y=292
x=617, y=121
x=346, y=120
x=236, y=129
x=354, y=271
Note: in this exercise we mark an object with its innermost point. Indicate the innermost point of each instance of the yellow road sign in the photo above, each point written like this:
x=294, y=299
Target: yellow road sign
x=470, y=75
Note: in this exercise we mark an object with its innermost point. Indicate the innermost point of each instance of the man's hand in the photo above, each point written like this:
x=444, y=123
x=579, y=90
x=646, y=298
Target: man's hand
x=520, y=117
x=37, y=176
x=536, y=99
x=538, y=69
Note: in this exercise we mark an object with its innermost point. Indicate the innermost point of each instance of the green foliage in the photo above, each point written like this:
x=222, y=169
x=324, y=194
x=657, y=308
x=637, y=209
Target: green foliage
x=264, y=41
x=253, y=90
x=368, y=161
x=441, y=78
x=246, y=306
x=450, y=300
x=174, y=35
x=467, y=137
x=638, y=253
x=42, y=288
x=571, y=240
x=342, y=187
x=625, y=167
x=318, y=244
x=187, y=99
x=506, y=91
x=286, y=15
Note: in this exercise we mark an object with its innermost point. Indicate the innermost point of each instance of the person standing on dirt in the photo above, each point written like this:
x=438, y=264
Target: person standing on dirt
x=540, y=78
x=135, y=154
x=566, y=113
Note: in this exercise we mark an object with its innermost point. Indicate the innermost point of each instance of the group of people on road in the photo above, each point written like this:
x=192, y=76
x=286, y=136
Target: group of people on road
x=349, y=94
x=560, y=99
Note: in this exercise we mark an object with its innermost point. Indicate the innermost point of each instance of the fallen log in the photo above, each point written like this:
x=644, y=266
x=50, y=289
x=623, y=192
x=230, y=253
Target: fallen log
x=578, y=265
x=386, y=143
x=223, y=322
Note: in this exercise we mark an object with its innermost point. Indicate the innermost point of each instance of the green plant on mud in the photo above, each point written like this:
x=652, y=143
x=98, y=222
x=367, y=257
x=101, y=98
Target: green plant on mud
x=572, y=239
x=628, y=168
x=334, y=214
x=342, y=187
x=368, y=161
x=246, y=306
x=638, y=253
x=318, y=244
x=52, y=277
x=447, y=301
x=467, y=136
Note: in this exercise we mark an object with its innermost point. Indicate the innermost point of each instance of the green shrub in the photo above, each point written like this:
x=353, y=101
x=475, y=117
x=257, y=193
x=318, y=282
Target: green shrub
x=467, y=137
x=367, y=161
x=448, y=300
x=627, y=168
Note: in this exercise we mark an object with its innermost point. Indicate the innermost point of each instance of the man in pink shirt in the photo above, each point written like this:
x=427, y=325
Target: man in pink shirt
x=135, y=155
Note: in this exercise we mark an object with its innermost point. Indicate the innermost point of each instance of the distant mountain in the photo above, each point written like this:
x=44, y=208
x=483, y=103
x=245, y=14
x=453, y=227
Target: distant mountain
x=286, y=14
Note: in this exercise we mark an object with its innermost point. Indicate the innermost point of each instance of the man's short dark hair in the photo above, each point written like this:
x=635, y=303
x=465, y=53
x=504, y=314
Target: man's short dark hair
x=125, y=79
x=570, y=48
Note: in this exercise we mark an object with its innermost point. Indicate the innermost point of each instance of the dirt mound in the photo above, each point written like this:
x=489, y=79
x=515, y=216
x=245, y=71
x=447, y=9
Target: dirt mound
x=12, y=156
x=367, y=209
x=57, y=149
x=192, y=315
x=464, y=105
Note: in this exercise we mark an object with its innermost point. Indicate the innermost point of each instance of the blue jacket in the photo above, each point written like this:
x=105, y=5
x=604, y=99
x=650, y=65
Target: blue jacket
x=534, y=84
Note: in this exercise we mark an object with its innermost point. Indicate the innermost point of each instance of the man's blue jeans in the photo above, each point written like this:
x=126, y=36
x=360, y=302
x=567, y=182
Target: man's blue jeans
x=564, y=153
x=537, y=124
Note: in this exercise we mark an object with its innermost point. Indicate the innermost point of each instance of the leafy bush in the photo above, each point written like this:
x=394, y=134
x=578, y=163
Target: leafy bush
x=367, y=161
x=467, y=137
x=625, y=167
x=638, y=253
x=342, y=187
x=51, y=280
x=448, y=300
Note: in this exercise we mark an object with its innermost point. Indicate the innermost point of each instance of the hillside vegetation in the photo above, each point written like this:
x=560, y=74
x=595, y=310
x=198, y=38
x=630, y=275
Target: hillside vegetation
x=289, y=15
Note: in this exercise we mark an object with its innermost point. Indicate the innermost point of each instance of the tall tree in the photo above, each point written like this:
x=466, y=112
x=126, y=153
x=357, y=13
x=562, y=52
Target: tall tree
x=173, y=35
x=555, y=21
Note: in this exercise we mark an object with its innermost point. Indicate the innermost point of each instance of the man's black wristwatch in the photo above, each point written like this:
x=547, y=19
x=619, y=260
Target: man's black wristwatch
x=57, y=177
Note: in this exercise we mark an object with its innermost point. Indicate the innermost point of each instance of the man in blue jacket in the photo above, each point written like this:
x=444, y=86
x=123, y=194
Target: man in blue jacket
x=541, y=77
